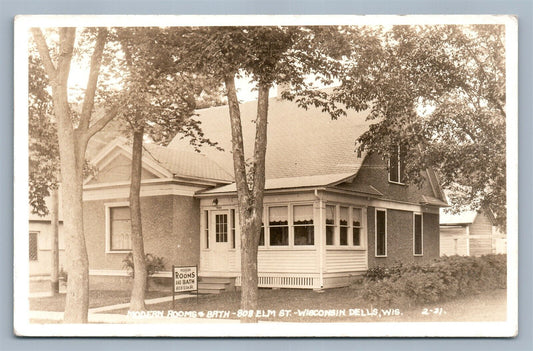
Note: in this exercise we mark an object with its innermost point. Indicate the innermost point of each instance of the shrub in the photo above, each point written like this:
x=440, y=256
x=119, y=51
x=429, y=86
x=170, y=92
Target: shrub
x=153, y=264
x=443, y=279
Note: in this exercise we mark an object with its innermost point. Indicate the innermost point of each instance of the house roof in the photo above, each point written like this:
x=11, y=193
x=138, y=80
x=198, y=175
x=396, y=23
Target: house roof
x=300, y=143
x=288, y=182
x=462, y=218
x=186, y=164
x=433, y=201
x=177, y=163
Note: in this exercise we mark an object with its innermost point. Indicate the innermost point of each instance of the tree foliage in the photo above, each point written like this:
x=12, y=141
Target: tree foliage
x=439, y=91
x=42, y=142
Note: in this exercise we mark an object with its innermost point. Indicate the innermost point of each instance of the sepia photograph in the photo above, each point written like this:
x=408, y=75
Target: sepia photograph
x=266, y=176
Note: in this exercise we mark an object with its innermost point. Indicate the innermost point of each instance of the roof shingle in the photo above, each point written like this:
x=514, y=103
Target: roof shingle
x=300, y=142
x=186, y=164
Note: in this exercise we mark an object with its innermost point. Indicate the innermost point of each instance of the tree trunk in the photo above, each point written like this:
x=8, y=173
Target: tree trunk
x=54, y=219
x=72, y=146
x=77, y=261
x=139, y=264
x=250, y=201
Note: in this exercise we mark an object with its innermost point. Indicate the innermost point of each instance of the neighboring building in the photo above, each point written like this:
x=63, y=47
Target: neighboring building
x=40, y=245
x=470, y=233
x=329, y=212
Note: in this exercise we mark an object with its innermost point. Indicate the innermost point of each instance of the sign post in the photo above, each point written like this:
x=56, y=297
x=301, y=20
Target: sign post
x=184, y=278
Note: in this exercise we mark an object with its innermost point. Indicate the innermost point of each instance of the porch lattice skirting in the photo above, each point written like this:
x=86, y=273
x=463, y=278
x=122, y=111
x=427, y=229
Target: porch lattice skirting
x=277, y=280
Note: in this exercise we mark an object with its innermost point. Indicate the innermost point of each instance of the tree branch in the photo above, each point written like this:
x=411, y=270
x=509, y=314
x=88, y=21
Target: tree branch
x=239, y=165
x=44, y=52
x=96, y=62
x=102, y=122
x=67, y=37
x=260, y=140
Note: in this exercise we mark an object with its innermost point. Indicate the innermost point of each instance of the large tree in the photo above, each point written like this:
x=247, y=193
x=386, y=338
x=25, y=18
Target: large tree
x=74, y=132
x=268, y=56
x=43, y=159
x=440, y=92
x=159, y=103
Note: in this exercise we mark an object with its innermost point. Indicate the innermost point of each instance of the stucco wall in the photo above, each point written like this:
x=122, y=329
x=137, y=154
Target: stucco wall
x=400, y=238
x=170, y=229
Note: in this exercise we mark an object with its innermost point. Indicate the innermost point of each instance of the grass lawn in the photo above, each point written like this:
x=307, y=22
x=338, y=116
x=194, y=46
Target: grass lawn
x=97, y=298
x=487, y=306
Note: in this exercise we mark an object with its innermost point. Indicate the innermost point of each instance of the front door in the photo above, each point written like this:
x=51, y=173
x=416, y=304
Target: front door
x=220, y=237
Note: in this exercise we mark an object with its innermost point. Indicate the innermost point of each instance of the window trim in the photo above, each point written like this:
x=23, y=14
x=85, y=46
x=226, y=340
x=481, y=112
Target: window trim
x=233, y=228
x=398, y=168
x=206, y=229
x=421, y=233
x=335, y=225
x=267, y=225
x=376, y=232
x=108, y=207
x=292, y=225
x=362, y=228
x=221, y=235
x=347, y=226
x=291, y=245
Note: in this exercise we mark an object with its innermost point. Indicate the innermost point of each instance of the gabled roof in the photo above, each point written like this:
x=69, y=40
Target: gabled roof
x=462, y=218
x=166, y=162
x=186, y=164
x=300, y=143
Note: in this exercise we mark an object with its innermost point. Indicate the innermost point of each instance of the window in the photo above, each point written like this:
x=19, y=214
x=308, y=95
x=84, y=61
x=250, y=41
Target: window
x=34, y=246
x=119, y=228
x=381, y=233
x=232, y=211
x=343, y=226
x=330, y=225
x=397, y=165
x=304, y=231
x=356, y=227
x=278, y=221
x=221, y=228
x=418, y=236
x=206, y=214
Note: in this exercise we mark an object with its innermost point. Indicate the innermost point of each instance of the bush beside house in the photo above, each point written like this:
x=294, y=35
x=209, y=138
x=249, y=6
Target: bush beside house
x=444, y=279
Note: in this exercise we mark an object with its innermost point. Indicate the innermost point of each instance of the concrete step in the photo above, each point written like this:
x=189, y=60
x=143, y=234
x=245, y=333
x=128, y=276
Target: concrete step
x=206, y=285
x=215, y=285
x=208, y=291
x=221, y=280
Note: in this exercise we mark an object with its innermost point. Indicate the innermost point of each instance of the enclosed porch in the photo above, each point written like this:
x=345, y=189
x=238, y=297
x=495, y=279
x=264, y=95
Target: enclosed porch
x=309, y=239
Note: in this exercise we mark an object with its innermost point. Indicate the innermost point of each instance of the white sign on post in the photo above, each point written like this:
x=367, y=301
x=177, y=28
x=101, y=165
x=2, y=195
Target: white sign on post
x=185, y=279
